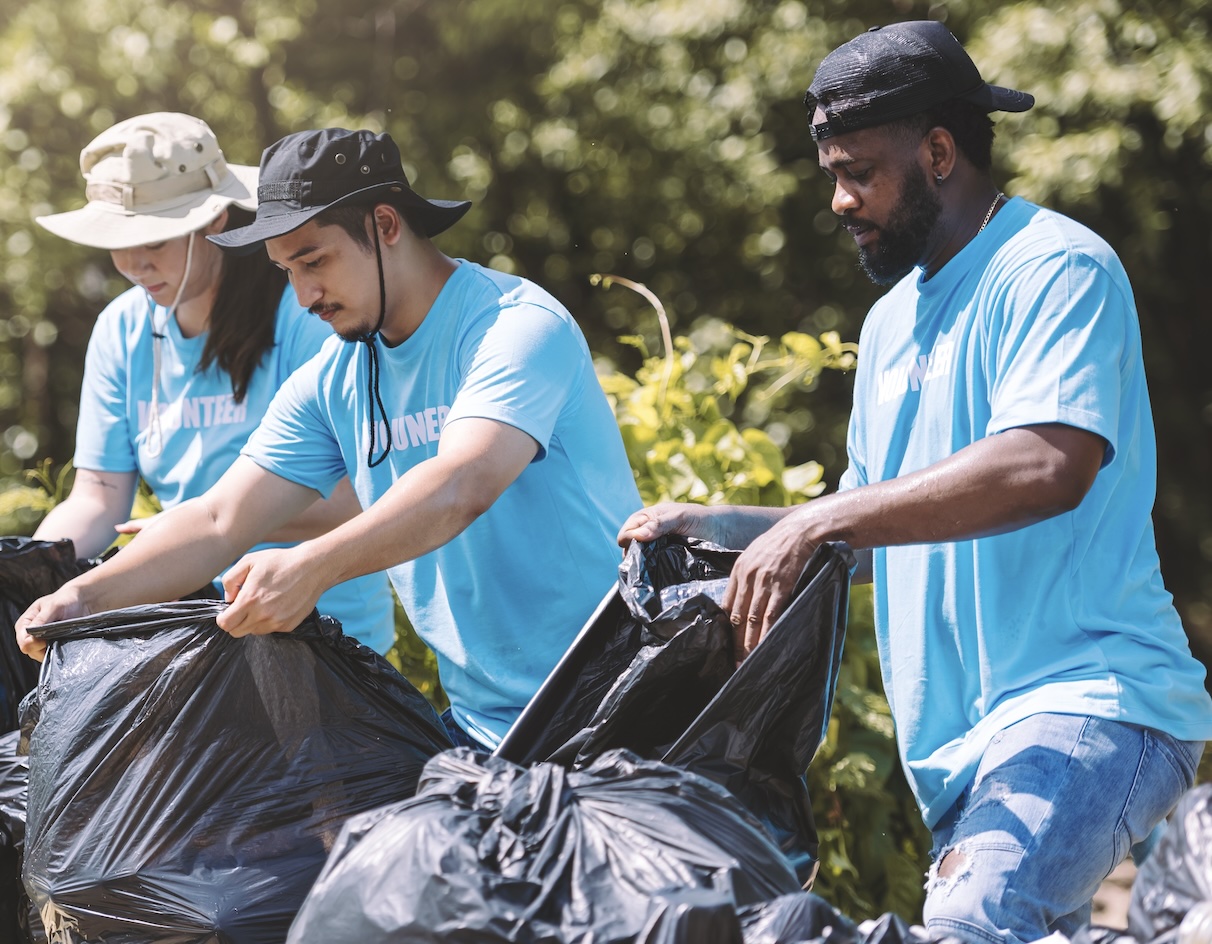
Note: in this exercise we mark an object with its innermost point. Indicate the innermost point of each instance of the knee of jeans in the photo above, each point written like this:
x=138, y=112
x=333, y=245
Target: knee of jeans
x=961, y=900
x=952, y=866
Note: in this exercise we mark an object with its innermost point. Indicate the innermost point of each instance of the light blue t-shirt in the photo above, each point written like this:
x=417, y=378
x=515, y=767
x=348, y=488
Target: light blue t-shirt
x=201, y=426
x=501, y=602
x=1032, y=322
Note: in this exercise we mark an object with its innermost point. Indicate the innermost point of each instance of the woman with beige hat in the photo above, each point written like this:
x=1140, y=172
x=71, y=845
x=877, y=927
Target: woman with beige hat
x=181, y=367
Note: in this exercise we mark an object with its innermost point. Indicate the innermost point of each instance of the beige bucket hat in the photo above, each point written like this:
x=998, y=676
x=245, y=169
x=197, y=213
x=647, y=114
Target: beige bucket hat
x=151, y=178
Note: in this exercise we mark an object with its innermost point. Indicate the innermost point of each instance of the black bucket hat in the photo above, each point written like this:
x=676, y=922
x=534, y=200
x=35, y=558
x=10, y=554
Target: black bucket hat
x=306, y=173
x=893, y=72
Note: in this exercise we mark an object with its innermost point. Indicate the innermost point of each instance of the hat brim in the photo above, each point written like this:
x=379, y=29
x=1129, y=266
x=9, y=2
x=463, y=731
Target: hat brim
x=108, y=226
x=997, y=98
x=433, y=216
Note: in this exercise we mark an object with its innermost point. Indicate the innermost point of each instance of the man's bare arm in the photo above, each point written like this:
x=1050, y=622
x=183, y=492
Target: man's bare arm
x=181, y=550
x=477, y=459
x=998, y=484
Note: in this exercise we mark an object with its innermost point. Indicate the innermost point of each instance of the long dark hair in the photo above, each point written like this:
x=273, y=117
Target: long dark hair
x=242, y=319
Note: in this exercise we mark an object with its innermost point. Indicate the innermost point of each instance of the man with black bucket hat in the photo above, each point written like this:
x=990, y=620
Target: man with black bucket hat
x=461, y=402
x=999, y=490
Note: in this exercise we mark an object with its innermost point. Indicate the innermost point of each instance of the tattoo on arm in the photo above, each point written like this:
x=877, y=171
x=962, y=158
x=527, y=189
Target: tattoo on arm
x=94, y=479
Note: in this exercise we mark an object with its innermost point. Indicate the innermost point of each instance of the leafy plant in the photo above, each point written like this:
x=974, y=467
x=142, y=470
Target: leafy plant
x=675, y=414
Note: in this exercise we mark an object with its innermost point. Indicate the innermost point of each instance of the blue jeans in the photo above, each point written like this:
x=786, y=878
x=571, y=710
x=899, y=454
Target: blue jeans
x=1057, y=803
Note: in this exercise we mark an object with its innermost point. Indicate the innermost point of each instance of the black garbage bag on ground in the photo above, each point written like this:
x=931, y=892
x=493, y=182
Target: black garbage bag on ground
x=488, y=852
x=805, y=918
x=654, y=672
x=796, y=919
x=19, y=922
x=29, y=569
x=186, y=786
x=1177, y=875
x=693, y=916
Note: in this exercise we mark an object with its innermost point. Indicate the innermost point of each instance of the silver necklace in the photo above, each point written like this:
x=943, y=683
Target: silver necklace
x=989, y=215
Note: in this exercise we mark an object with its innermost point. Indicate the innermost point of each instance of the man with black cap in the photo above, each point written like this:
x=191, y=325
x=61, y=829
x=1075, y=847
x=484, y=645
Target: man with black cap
x=463, y=405
x=999, y=492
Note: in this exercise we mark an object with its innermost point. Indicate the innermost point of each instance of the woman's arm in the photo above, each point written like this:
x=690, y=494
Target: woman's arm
x=89, y=516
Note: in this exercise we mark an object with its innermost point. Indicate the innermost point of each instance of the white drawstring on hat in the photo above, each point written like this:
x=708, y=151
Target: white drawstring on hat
x=155, y=435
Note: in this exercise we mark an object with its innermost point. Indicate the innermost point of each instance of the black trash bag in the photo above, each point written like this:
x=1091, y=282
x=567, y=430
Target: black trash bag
x=654, y=672
x=796, y=919
x=891, y=928
x=29, y=569
x=1177, y=875
x=19, y=921
x=1097, y=934
x=693, y=916
x=488, y=852
x=807, y=919
x=186, y=786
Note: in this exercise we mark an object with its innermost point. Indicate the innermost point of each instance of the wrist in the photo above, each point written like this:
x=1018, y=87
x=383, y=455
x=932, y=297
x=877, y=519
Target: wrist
x=819, y=521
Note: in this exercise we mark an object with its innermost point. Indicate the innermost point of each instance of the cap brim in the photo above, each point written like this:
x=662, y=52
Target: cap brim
x=435, y=216
x=103, y=225
x=997, y=98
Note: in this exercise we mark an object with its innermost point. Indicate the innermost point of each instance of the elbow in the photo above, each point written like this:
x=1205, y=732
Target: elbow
x=466, y=505
x=1063, y=488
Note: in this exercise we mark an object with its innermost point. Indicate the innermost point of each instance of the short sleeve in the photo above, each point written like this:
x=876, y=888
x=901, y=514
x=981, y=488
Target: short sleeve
x=1058, y=344
x=294, y=439
x=104, y=438
x=519, y=367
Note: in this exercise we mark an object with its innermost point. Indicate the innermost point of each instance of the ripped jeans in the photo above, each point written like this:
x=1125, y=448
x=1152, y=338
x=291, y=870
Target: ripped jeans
x=1057, y=803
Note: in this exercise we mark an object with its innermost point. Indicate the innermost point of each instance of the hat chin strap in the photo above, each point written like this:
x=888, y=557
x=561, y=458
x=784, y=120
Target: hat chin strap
x=372, y=377
x=155, y=434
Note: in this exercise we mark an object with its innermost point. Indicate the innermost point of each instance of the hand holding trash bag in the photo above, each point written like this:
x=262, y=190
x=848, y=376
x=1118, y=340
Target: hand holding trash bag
x=763, y=581
x=654, y=672
x=64, y=604
x=186, y=786
x=271, y=591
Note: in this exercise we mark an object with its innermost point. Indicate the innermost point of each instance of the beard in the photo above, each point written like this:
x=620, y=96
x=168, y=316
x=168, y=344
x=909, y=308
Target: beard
x=351, y=335
x=903, y=240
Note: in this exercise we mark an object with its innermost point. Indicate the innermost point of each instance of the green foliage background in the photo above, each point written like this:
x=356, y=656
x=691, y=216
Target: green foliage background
x=661, y=141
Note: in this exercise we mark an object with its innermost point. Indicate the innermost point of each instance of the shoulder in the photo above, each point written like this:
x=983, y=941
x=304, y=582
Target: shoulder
x=491, y=293
x=1038, y=236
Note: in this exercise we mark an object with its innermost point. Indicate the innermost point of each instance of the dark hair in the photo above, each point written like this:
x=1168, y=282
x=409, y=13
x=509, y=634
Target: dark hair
x=245, y=309
x=970, y=126
x=351, y=217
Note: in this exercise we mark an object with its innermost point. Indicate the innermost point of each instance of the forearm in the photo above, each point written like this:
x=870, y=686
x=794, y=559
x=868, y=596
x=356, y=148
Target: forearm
x=997, y=484
x=159, y=565
x=83, y=523
x=423, y=510
x=97, y=503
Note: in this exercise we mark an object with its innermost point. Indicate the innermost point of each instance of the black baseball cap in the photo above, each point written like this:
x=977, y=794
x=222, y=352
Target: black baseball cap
x=892, y=72
x=306, y=173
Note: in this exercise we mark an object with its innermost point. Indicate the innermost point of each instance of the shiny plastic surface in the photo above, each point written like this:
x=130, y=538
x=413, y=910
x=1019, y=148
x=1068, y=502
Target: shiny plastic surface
x=491, y=852
x=1176, y=878
x=654, y=672
x=186, y=786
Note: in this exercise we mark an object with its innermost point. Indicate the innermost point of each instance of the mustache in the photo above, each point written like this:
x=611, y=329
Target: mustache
x=326, y=309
